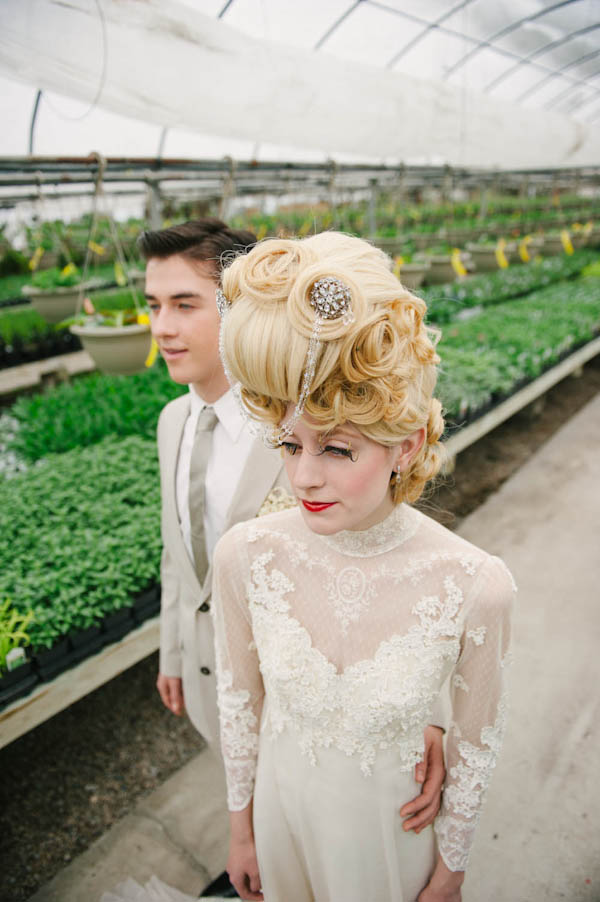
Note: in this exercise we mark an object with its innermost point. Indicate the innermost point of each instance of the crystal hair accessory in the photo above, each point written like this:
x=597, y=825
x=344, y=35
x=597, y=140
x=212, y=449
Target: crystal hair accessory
x=222, y=303
x=331, y=299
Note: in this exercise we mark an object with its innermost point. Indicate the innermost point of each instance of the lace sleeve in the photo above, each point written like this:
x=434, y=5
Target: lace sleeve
x=239, y=683
x=477, y=691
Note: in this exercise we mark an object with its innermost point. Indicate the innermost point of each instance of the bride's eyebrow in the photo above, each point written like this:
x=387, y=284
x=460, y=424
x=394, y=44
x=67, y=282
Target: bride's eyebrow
x=340, y=434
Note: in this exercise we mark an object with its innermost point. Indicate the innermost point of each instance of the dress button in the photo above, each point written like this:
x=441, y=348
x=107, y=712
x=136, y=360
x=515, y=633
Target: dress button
x=205, y=670
x=205, y=607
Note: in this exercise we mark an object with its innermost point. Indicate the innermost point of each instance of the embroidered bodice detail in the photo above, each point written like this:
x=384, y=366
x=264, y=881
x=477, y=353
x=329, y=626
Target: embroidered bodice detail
x=384, y=536
x=346, y=648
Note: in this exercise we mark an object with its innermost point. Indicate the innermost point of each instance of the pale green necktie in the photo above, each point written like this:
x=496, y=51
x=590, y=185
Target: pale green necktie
x=197, y=493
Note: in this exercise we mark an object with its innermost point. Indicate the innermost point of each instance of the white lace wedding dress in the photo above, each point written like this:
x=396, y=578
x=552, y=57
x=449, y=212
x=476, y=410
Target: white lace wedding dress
x=331, y=655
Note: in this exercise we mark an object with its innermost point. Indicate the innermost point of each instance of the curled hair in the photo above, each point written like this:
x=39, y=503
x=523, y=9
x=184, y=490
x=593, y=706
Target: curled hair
x=377, y=373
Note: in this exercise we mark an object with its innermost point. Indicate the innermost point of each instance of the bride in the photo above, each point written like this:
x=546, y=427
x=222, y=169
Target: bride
x=339, y=622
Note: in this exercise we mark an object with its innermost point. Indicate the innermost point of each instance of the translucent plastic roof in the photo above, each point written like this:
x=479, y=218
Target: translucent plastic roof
x=478, y=82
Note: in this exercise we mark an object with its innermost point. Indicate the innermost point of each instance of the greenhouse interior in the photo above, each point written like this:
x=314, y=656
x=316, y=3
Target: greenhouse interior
x=450, y=150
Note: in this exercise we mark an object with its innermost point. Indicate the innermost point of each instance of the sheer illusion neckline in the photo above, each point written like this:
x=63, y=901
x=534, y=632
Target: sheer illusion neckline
x=397, y=528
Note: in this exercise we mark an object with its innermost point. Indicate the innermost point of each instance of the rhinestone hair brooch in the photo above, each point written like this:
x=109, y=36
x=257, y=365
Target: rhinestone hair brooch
x=331, y=299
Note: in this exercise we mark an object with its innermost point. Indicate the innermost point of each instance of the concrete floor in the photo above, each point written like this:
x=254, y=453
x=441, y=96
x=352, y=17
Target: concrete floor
x=539, y=836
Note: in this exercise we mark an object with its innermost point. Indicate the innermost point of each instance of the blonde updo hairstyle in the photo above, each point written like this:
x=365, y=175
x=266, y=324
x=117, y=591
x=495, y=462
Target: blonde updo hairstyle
x=378, y=373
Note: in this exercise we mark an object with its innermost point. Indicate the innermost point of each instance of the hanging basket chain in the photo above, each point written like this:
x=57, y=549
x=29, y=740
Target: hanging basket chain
x=99, y=197
x=58, y=241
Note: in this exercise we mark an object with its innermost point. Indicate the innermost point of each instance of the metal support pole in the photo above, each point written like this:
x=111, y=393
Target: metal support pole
x=373, y=208
x=154, y=203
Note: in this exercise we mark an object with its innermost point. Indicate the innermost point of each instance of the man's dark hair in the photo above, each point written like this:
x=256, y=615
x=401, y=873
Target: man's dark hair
x=199, y=241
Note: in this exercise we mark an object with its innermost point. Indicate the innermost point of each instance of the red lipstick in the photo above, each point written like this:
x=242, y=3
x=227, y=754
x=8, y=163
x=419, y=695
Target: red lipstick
x=316, y=506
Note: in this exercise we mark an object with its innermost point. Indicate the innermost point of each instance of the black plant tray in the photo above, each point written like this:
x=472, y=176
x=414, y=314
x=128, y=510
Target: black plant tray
x=85, y=642
x=50, y=662
x=117, y=624
x=146, y=604
x=16, y=683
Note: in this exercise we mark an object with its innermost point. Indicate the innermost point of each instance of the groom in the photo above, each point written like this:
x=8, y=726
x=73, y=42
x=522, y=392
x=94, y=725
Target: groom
x=214, y=474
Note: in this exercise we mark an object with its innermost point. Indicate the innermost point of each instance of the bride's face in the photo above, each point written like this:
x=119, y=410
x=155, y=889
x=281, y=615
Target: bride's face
x=341, y=479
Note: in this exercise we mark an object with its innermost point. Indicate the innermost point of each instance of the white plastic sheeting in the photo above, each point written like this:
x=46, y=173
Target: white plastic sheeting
x=166, y=64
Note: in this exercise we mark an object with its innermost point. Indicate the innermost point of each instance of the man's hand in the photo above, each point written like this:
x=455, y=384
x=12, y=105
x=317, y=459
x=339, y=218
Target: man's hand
x=431, y=773
x=171, y=692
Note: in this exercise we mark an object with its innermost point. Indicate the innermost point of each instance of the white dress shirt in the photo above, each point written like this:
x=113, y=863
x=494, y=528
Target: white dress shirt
x=231, y=444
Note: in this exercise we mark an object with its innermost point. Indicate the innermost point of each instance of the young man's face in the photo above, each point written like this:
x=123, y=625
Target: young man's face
x=185, y=322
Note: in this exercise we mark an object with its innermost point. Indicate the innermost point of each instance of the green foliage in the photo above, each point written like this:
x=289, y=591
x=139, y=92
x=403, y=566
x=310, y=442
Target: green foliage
x=445, y=302
x=46, y=279
x=13, y=263
x=80, y=535
x=89, y=409
x=13, y=630
x=23, y=324
x=486, y=357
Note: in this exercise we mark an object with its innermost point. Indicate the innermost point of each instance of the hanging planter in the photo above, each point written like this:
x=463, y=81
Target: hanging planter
x=120, y=350
x=56, y=294
x=118, y=340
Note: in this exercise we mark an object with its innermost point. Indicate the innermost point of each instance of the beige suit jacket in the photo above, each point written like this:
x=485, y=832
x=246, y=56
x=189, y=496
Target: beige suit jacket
x=186, y=630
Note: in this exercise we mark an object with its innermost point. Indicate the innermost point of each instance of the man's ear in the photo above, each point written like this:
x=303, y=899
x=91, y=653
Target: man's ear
x=408, y=448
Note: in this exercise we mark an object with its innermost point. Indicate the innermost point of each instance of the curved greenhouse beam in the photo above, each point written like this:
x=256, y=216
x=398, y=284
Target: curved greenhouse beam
x=528, y=60
x=558, y=97
x=337, y=24
x=225, y=8
x=34, y=113
x=488, y=44
x=431, y=26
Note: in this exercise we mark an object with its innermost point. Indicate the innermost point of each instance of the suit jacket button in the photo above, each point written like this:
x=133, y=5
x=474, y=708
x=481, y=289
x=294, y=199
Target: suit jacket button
x=205, y=670
x=205, y=607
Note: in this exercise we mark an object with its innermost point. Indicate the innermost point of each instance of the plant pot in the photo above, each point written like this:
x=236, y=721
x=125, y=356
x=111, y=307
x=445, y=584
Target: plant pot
x=146, y=604
x=413, y=274
x=49, y=662
x=16, y=683
x=440, y=270
x=116, y=625
x=54, y=305
x=116, y=349
x=85, y=642
x=484, y=256
x=553, y=245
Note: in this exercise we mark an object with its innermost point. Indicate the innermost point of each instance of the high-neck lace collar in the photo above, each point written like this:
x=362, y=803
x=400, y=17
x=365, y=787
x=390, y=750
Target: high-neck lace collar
x=397, y=528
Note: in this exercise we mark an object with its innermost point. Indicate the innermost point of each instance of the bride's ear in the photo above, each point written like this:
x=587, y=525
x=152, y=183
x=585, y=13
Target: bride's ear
x=407, y=449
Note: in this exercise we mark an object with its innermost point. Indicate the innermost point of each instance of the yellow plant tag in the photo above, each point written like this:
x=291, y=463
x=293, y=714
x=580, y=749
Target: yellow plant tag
x=500, y=255
x=398, y=261
x=261, y=232
x=456, y=263
x=523, y=249
x=120, y=277
x=68, y=269
x=35, y=260
x=566, y=241
x=144, y=320
x=96, y=248
x=152, y=354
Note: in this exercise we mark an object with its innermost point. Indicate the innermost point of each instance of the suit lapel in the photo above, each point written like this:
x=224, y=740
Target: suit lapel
x=260, y=473
x=171, y=458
